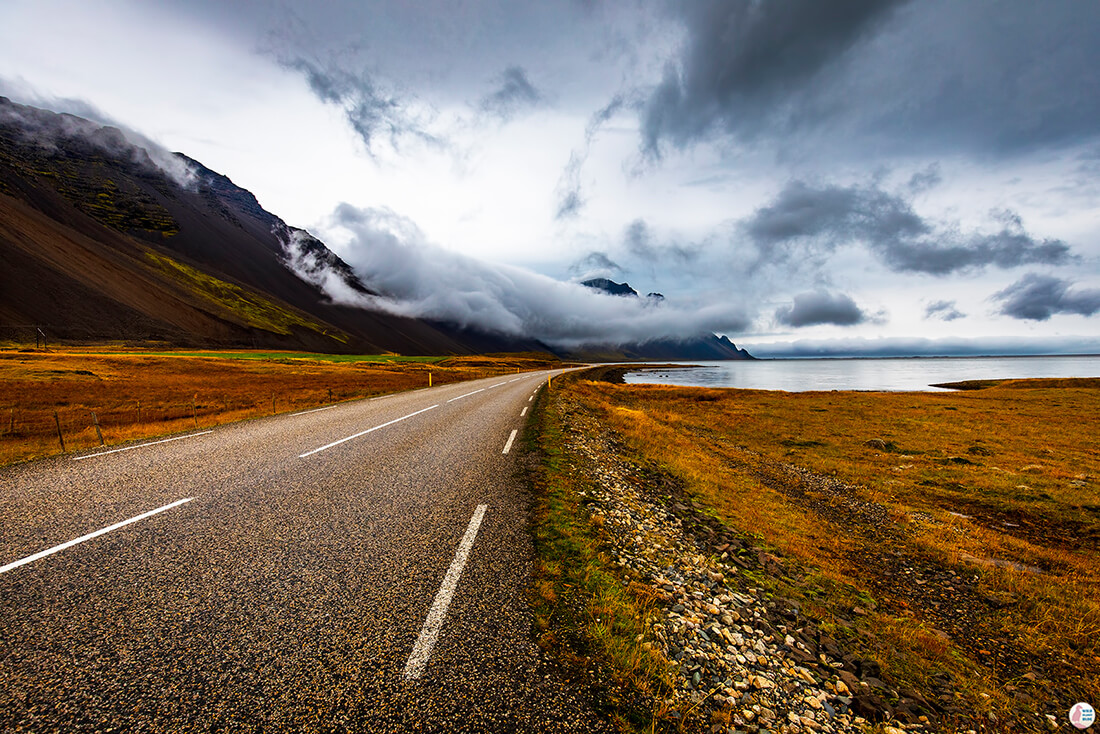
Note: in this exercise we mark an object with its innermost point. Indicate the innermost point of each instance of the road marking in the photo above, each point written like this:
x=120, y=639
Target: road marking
x=466, y=395
x=508, y=445
x=139, y=446
x=429, y=633
x=89, y=536
x=530, y=398
x=363, y=433
x=496, y=385
x=523, y=412
x=315, y=410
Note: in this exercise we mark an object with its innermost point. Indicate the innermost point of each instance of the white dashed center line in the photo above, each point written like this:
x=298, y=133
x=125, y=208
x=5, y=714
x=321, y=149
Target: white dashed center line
x=466, y=395
x=314, y=410
x=429, y=633
x=139, y=446
x=363, y=433
x=89, y=536
x=523, y=412
x=508, y=444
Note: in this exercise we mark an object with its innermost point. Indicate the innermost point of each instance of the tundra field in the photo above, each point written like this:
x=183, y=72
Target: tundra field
x=140, y=394
x=951, y=538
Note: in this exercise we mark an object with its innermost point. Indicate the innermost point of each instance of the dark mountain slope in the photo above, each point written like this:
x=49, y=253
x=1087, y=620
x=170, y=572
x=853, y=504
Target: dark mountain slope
x=99, y=242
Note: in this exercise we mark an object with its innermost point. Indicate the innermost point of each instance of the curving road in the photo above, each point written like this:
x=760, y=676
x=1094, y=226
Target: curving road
x=360, y=567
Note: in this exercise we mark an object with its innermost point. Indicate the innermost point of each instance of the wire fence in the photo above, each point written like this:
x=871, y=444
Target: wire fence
x=31, y=431
x=28, y=432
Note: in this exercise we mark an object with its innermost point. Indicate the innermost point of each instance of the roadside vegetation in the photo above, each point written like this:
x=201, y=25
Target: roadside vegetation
x=585, y=616
x=139, y=394
x=952, y=537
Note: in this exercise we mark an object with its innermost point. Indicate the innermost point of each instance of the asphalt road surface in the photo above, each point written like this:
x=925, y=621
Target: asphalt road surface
x=361, y=567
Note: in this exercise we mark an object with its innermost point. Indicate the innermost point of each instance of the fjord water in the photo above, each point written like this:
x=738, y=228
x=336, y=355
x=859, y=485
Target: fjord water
x=893, y=374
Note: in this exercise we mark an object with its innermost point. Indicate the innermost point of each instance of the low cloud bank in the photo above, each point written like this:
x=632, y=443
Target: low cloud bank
x=416, y=278
x=78, y=122
x=917, y=347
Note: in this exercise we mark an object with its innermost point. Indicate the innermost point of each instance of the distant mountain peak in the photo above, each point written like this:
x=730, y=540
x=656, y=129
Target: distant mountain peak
x=609, y=286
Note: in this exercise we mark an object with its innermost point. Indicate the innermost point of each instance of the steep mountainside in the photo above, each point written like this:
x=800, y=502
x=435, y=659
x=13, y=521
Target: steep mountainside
x=98, y=241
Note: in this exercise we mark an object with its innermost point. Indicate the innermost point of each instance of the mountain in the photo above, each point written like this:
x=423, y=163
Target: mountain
x=103, y=237
x=699, y=347
x=610, y=286
x=106, y=236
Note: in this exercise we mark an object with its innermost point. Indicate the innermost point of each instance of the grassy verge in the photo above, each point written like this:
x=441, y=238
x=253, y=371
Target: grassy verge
x=585, y=615
x=955, y=537
x=139, y=395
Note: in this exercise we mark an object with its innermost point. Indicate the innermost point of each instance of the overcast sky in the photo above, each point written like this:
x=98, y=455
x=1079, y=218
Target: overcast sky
x=856, y=175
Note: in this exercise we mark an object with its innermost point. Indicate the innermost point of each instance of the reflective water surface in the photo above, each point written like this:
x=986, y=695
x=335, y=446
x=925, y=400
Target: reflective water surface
x=797, y=375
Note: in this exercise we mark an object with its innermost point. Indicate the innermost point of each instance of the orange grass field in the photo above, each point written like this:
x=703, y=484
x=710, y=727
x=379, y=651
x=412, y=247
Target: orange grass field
x=139, y=395
x=943, y=533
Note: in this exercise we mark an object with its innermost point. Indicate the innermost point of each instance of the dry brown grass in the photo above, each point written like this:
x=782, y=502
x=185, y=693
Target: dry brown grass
x=138, y=395
x=1021, y=461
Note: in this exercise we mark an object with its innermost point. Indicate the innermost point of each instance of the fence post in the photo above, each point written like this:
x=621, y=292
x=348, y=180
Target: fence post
x=60, y=438
x=272, y=403
x=95, y=422
x=194, y=416
x=330, y=394
x=139, y=411
x=11, y=421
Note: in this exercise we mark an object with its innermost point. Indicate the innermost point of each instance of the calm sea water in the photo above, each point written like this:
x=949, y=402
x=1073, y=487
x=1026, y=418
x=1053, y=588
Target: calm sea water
x=797, y=375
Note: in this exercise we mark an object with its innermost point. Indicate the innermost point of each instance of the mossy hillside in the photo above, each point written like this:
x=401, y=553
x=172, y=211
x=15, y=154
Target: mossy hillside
x=246, y=306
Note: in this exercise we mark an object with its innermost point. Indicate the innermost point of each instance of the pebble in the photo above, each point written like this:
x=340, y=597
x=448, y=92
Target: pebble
x=731, y=642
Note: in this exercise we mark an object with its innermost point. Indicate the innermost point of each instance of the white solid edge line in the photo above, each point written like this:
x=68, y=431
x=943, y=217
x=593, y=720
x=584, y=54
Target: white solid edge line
x=466, y=395
x=140, y=446
x=89, y=536
x=523, y=412
x=530, y=398
x=429, y=633
x=508, y=444
x=363, y=433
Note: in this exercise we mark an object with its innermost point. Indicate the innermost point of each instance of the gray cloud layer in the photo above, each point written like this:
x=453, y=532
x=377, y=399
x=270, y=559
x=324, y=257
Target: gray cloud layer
x=934, y=75
x=1038, y=297
x=823, y=218
x=820, y=307
x=742, y=58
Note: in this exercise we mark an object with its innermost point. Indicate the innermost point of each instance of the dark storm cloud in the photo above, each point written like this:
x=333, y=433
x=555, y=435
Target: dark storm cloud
x=370, y=110
x=943, y=310
x=514, y=92
x=570, y=199
x=820, y=307
x=822, y=218
x=1038, y=297
x=934, y=75
x=742, y=58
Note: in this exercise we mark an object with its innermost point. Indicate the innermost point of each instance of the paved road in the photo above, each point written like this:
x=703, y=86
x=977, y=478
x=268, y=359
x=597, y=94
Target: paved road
x=355, y=568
